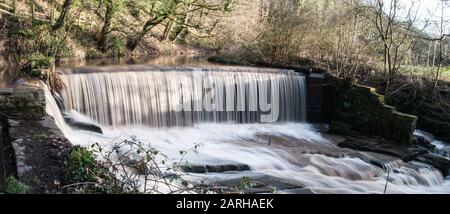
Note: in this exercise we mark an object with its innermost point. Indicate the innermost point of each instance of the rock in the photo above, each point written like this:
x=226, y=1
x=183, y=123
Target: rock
x=20, y=81
x=86, y=127
x=6, y=91
x=423, y=142
x=441, y=163
x=404, y=152
x=80, y=125
x=214, y=168
x=256, y=184
x=365, y=110
x=338, y=127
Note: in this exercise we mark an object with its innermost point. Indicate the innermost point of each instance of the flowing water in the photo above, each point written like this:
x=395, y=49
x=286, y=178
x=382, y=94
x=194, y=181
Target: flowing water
x=145, y=102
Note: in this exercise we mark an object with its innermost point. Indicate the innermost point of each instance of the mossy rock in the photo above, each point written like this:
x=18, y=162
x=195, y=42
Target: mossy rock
x=338, y=127
x=364, y=109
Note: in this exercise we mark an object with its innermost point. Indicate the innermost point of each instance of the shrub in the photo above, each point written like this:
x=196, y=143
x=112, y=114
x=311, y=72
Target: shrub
x=14, y=186
x=81, y=166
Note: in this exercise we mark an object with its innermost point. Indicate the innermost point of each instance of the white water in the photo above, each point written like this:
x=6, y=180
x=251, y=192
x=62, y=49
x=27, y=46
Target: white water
x=441, y=148
x=170, y=97
x=297, y=155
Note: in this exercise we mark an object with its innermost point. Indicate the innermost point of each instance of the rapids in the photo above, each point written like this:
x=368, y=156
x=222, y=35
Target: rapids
x=139, y=103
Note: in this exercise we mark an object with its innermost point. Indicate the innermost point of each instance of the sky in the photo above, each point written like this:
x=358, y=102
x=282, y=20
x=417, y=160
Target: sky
x=426, y=10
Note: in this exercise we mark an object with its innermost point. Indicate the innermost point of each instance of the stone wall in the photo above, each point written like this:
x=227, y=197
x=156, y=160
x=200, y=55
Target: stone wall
x=314, y=98
x=22, y=102
x=361, y=109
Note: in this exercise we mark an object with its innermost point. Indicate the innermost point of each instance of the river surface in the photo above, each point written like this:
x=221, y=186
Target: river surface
x=142, y=102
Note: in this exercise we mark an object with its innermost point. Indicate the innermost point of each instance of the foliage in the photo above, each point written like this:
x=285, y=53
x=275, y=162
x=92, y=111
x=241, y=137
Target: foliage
x=14, y=186
x=126, y=166
x=81, y=166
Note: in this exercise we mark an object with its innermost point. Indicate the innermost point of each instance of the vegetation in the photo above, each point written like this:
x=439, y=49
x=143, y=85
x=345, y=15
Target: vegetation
x=383, y=44
x=127, y=166
x=13, y=186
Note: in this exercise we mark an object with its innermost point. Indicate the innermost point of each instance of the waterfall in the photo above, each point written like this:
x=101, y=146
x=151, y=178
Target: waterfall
x=220, y=110
x=167, y=97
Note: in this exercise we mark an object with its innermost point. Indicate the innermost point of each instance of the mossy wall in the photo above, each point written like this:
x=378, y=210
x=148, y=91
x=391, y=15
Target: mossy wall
x=364, y=110
x=22, y=103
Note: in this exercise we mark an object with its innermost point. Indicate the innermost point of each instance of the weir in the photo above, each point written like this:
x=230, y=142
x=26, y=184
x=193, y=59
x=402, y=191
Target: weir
x=220, y=111
x=171, y=96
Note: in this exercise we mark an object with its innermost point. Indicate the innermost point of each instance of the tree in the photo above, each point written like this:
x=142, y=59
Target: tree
x=111, y=9
x=442, y=35
x=395, y=35
x=159, y=11
x=177, y=13
x=64, y=13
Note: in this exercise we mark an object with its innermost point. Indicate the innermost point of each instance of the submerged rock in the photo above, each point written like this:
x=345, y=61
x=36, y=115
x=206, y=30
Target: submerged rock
x=404, y=152
x=80, y=125
x=214, y=168
x=86, y=127
x=439, y=162
x=423, y=142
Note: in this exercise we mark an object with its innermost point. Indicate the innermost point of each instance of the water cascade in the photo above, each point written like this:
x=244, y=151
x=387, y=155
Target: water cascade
x=238, y=115
x=185, y=97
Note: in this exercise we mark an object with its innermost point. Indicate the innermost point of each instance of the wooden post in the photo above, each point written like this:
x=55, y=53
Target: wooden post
x=2, y=160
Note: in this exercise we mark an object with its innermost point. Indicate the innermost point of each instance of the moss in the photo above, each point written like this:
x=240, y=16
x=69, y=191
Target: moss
x=364, y=109
x=24, y=103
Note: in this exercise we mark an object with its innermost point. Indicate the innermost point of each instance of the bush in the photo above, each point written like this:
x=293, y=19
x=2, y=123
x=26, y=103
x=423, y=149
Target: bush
x=126, y=166
x=14, y=186
x=81, y=166
x=84, y=173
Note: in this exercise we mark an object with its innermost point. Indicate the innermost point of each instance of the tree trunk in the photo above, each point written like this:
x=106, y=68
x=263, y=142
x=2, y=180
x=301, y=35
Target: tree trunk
x=150, y=24
x=167, y=30
x=103, y=40
x=64, y=12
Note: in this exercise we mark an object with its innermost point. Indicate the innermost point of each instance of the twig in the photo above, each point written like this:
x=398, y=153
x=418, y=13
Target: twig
x=387, y=181
x=79, y=184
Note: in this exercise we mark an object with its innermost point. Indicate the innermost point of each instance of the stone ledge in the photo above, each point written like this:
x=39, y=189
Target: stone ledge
x=364, y=110
x=23, y=103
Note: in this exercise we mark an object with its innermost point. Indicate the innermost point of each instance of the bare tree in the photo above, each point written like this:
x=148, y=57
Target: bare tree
x=442, y=35
x=395, y=35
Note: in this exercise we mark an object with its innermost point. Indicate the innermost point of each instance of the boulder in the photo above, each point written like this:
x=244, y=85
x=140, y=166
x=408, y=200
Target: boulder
x=80, y=125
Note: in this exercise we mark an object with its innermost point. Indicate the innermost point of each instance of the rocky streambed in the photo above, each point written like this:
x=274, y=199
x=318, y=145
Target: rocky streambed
x=36, y=152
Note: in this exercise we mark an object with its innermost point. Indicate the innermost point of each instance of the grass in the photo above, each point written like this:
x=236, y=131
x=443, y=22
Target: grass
x=446, y=73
